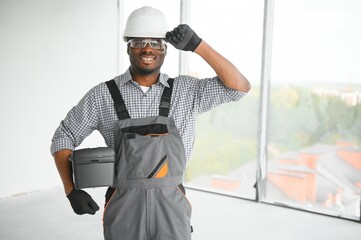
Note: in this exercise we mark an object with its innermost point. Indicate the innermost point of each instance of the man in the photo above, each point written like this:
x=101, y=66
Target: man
x=152, y=130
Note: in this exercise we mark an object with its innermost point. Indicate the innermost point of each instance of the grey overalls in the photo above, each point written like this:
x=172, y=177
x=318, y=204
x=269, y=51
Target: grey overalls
x=148, y=202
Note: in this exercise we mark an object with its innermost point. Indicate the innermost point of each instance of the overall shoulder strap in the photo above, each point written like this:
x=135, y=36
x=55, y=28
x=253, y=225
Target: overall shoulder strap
x=165, y=99
x=119, y=104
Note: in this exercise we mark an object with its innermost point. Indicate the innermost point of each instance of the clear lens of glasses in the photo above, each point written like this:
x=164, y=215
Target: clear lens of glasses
x=141, y=43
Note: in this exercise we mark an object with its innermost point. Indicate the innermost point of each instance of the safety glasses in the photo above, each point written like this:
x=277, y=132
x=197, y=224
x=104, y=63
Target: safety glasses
x=141, y=43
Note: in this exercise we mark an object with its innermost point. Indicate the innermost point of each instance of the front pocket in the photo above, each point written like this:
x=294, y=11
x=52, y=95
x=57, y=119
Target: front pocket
x=144, y=157
x=109, y=194
x=108, y=200
x=187, y=202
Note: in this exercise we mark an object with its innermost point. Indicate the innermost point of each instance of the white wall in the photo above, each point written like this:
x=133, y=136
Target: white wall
x=51, y=53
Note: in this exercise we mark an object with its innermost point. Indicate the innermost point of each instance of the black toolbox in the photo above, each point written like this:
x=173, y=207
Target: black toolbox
x=93, y=167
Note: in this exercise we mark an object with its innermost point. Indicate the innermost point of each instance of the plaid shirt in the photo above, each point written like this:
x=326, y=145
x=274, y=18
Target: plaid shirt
x=95, y=111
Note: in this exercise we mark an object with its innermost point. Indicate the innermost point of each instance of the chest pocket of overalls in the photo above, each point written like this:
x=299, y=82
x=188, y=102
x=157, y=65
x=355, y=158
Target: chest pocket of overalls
x=145, y=151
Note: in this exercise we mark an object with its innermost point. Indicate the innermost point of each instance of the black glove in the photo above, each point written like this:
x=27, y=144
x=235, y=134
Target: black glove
x=183, y=38
x=82, y=202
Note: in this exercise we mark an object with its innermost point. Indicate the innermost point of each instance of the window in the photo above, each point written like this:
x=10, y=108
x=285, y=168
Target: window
x=225, y=152
x=314, y=127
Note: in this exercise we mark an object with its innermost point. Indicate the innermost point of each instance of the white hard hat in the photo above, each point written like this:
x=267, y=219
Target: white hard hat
x=145, y=22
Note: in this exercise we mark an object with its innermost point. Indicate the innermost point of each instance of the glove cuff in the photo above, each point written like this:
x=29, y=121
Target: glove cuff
x=71, y=193
x=193, y=43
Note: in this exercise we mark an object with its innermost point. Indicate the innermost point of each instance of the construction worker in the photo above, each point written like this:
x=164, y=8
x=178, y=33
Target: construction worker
x=149, y=119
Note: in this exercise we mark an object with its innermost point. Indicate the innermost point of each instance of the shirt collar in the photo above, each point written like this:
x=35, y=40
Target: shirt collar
x=126, y=77
x=163, y=79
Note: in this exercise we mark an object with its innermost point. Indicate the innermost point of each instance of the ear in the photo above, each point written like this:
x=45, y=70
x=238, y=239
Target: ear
x=128, y=48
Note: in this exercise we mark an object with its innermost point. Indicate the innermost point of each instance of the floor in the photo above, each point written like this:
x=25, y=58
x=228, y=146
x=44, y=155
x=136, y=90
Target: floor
x=47, y=215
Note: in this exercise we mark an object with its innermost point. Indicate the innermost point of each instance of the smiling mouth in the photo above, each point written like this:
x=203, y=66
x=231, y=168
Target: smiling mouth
x=147, y=58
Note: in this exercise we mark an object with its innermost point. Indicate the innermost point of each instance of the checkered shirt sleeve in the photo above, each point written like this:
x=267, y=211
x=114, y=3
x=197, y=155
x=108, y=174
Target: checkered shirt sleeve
x=79, y=123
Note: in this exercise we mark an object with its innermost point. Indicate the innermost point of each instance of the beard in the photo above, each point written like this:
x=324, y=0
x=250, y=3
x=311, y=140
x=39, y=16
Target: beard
x=147, y=71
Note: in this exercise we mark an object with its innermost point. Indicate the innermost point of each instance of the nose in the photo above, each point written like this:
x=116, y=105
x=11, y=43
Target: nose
x=147, y=49
x=147, y=45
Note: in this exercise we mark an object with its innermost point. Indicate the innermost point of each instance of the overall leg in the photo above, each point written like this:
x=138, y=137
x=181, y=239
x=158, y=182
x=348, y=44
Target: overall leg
x=125, y=215
x=172, y=214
